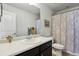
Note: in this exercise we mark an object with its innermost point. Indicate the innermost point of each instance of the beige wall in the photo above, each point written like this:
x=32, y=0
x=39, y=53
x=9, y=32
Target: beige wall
x=45, y=13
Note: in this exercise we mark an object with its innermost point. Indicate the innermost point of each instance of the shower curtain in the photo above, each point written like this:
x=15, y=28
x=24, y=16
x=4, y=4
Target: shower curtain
x=66, y=30
x=53, y=27
x=63, y=28
x=70, y=32
x=76, y=42
x=56, y=28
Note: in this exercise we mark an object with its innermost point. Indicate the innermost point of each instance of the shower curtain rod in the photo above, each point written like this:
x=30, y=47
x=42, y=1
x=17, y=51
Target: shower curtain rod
x=71, y=9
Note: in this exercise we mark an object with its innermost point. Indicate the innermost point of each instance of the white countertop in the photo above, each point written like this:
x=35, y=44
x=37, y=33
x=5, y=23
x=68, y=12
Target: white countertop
x=19, y=46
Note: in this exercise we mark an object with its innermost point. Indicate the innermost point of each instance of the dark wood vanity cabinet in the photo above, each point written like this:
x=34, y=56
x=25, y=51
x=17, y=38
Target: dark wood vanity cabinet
x=46, y=49
x=42, y=50
x=47, y=52
x=32, y=52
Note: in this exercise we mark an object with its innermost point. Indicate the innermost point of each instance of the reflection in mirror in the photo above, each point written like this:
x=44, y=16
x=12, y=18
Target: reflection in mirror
x=19, y=20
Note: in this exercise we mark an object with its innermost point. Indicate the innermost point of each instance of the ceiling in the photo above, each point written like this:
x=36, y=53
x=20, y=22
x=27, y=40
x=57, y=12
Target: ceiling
x=60, y=6
x=25, y=6
x=36, y=10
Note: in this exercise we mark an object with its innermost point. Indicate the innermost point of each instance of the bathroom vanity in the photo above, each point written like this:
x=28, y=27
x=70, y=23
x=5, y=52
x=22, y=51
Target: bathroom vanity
x=44, y=49
x=40, y=46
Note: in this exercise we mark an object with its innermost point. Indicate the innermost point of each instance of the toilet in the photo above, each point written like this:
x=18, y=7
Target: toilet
x=57, y=49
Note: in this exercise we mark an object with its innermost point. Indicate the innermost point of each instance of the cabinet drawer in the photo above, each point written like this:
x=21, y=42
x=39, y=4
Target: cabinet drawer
x=32, y=52
x=45, y=46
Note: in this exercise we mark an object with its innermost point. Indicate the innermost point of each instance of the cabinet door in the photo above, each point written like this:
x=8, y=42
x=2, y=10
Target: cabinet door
x=70, y=32
x=47, y=52
x=45, y=46
x=76, y=13
x=63, y=28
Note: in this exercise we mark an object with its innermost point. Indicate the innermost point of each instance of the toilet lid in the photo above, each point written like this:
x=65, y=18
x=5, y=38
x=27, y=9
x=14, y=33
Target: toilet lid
x=57, y=46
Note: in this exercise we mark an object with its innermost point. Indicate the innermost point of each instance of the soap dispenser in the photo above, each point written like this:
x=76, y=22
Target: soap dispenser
x=29, y=30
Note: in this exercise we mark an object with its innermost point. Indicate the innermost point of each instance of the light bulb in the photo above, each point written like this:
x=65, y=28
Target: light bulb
x=32, y=4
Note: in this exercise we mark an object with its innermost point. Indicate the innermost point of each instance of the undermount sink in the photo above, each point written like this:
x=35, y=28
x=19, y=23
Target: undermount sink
x=33, y=41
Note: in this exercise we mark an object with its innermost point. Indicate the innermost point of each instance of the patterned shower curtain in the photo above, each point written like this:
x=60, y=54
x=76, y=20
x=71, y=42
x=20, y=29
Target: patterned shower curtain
x=76, y=42
x=70, y=32
x=56, y=28
x=68, y=23
x=63, y=29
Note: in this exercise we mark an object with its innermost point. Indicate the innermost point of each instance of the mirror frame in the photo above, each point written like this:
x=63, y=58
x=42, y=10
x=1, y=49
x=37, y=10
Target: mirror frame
x=1, y=11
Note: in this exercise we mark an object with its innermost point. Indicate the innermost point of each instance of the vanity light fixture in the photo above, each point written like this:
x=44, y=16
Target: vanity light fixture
x=32, y=3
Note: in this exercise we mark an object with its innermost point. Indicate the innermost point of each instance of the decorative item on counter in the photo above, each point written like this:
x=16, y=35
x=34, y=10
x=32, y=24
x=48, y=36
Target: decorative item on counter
x=9, y=38
x=46, y=22
x=33, y=30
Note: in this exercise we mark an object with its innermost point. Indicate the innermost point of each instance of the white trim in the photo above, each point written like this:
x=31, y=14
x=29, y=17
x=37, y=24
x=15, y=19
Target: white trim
x=67, y=10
